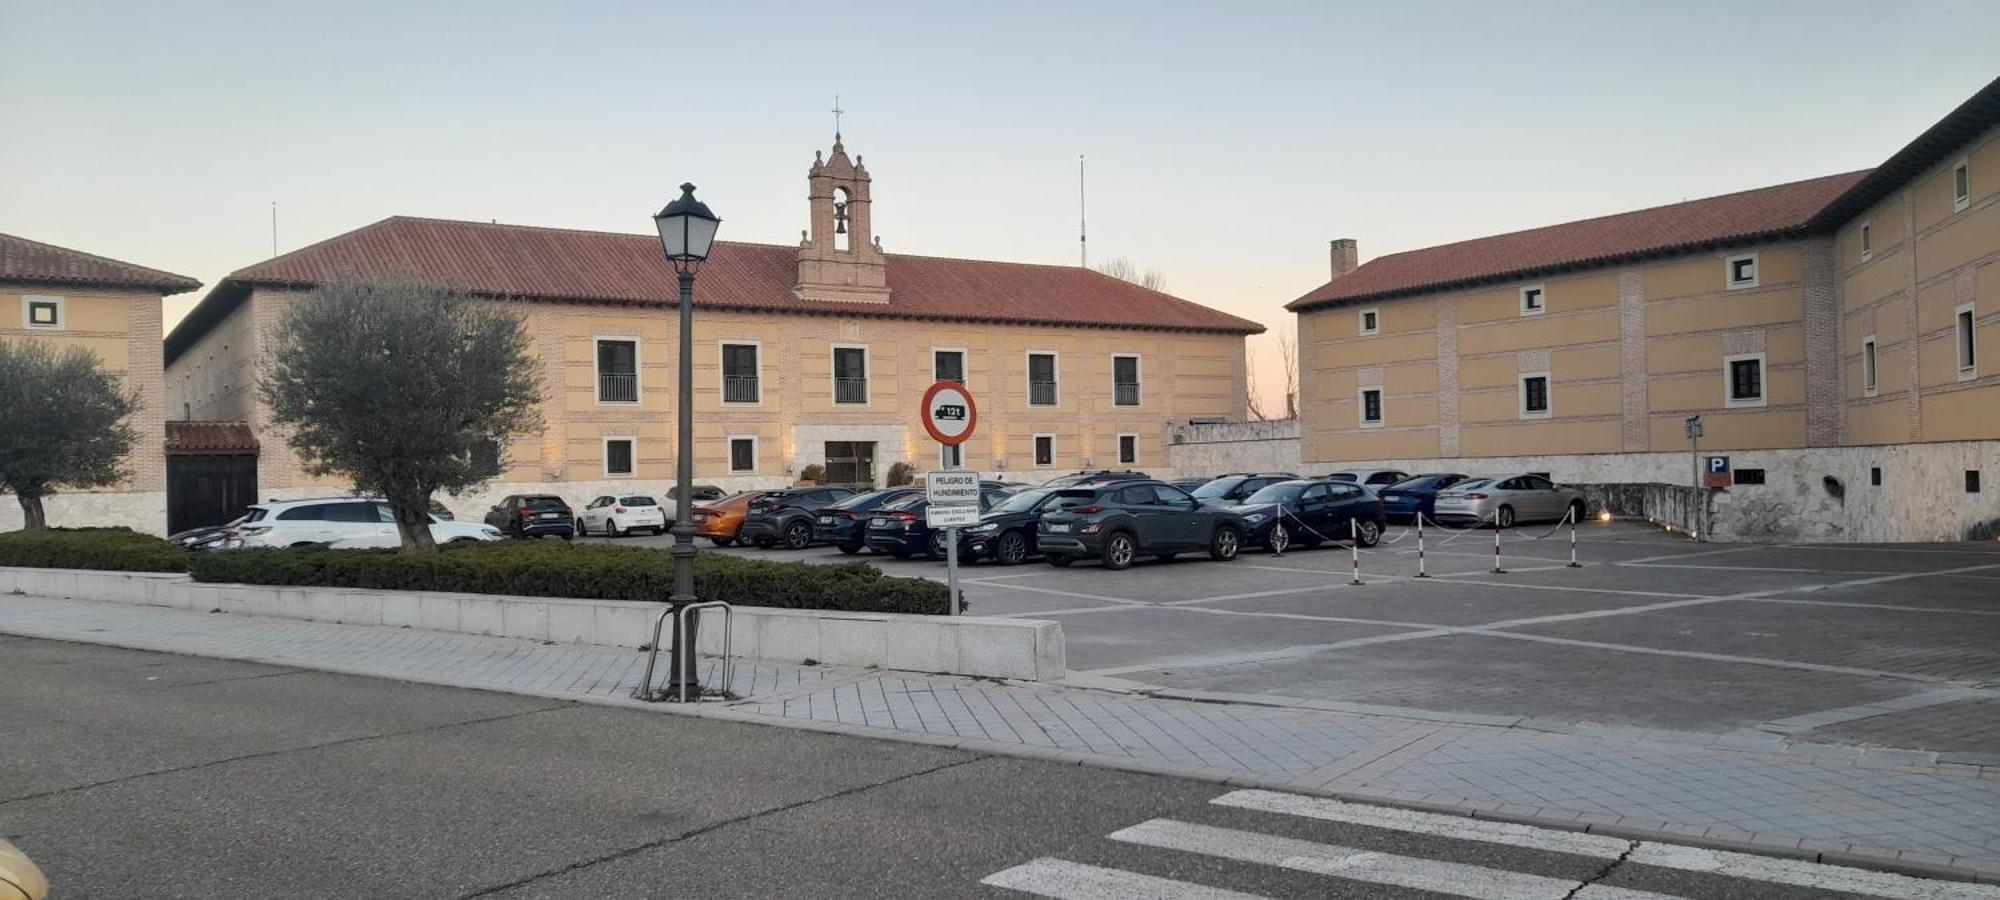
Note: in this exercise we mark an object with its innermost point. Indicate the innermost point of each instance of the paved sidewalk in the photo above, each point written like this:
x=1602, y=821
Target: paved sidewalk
x=1895, y=810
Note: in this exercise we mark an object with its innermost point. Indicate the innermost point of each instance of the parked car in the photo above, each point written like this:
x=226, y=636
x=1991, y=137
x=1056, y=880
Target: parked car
x=346, y=522
x=1372, y=479
x=1416, y=495
x=619, y=516
x=899, y=529
x=1504, y=501
x=1007, y=533
x=788, y=515
x=533, y=515
x=1100, y=476
x=210, y=537
x=1236, y=487
x=1189, y=484
x=720, y=520
x=1122, y=521
x=845, y=523
x=1309, y=512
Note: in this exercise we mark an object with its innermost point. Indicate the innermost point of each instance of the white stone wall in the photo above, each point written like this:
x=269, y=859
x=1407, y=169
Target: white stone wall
x=138, y=510
x=1201, y=450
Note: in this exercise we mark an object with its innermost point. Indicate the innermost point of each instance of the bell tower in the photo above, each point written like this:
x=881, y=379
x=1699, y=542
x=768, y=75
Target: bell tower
x=840, y=259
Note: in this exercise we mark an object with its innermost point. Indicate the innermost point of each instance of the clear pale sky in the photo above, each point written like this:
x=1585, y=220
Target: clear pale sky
x=1227, y=142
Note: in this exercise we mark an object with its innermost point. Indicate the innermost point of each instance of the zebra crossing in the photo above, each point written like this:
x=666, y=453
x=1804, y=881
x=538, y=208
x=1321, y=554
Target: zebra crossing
x=1267, y=832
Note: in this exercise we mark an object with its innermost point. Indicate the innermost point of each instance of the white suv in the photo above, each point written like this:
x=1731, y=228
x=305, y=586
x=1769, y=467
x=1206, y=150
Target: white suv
x=340, y=522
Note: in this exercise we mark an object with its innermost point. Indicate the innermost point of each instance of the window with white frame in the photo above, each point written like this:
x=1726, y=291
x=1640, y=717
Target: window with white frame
x=743, y=454
x=1961, y=186
x=617, y=370
x=1371, y=321
x=42, y=312
x=1743, y=380
x=620, y=456
x=1534, y=395
x=1868, y=365
x=1128, y=449
x=1867, y=240
x=1042, y=379
x=1045, y=450
x=1968, y=341
x=1371, y=407
x=1534, y=299
x=742, y=376
x=1741, y=271
x=951, y=456
x=1125, y=380
x=948, y=365
x=850, y=375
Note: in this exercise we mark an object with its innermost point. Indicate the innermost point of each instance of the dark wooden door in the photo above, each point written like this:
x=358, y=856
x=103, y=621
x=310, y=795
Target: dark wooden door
x=207, y=490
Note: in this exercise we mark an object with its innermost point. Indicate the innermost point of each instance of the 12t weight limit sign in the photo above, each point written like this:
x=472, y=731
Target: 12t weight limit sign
x=949, y=413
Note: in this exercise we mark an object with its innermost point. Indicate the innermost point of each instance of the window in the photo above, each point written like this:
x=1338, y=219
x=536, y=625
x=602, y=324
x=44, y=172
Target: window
x=1867, y=240
x=1745, y=376
x=618, y=456
x=1371, y=322
x=1972, y=481
x=948, y=365
x=1875, y=475
x=617, y=370
x=1961, y=186
x=950, y=456
x=1125, y=380
x=743, y=454
x=1741, y=271
x=1868, y=365
x=740, y=373
x=1045, y=449
x=489, y=455
x=1748, y=476
x=1535, y=395
x=1371, y=407
x=42, y=312
x=1128, y=449
x=1041, y=379
x=1968, y=342
x=850, y=374
x=1532, y=301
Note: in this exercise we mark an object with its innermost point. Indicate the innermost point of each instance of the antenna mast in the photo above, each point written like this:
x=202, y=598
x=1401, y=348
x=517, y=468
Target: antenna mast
x=1082, y=218
x=274, y=228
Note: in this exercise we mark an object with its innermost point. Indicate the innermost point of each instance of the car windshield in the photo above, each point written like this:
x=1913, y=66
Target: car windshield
x=637, y=501
x=904, y=502
x=1424, y=482
x=542, y=503
x=256, y=515
x=1474, y=483
x=1024, y=501
x=1344, y=476
x=1282, y=492
x=859, y=501
x=1217, y=488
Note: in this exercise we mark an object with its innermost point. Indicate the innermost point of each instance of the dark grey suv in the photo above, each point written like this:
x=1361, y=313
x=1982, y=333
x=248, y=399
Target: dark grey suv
x=1121, y=522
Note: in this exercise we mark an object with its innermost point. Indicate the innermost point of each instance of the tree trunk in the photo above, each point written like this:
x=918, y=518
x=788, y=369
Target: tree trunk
x=413, y=523
x=33, y=517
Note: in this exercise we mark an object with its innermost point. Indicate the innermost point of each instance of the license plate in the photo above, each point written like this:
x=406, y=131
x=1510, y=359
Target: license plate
x=878, y=523
x=1058, y=527
x=826, y=520
x=549, y=516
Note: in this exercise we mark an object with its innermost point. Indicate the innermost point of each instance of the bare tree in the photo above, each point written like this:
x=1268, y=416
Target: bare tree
x=65, y=424
x=1123, y=270
x=404, y=389
x=1250, y=385
x=1288, y=347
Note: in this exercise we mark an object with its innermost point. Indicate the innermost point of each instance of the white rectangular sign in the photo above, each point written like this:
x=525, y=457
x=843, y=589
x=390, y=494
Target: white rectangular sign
x=953, y=487
x=951, y=516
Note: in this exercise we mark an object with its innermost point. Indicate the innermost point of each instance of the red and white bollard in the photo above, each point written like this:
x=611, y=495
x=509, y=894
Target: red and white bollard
x=1572, y=540
x=1420, y=546
x=1354, y=545
x=1496, y=546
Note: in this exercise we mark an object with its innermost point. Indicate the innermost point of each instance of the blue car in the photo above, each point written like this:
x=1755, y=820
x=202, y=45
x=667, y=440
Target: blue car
x=1404, y=500
x=845, y=524
x=899, y=529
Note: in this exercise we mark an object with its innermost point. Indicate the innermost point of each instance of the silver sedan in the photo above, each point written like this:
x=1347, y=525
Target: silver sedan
x=1508, y=499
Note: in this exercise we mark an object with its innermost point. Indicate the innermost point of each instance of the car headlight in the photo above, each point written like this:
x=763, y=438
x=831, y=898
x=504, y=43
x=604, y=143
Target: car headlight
x=982, y=528
x=1256, y=517
x=490, y=531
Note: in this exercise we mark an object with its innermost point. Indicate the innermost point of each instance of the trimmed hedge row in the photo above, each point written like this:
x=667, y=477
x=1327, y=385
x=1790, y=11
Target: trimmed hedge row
x=105, y=549
x=583, y=571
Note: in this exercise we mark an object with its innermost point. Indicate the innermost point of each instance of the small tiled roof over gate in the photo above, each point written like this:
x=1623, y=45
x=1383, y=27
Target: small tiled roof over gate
x=210, y=439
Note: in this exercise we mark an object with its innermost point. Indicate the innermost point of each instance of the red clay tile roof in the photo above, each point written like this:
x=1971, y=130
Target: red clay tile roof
x=23, y=260
x=204, y=438
x=559, y=264
x=1731, y=218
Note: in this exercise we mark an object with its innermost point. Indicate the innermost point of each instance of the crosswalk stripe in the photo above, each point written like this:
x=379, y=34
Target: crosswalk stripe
x=1433, y=824
x=1065, y=880
x=1457, y=879
x=1819, y=876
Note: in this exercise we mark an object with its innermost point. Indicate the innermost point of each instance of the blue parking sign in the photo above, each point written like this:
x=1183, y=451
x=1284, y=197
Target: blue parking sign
x=1718, y=465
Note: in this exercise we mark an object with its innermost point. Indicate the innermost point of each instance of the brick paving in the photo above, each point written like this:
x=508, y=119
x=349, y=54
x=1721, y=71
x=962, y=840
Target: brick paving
x=1963, y=726
x=1903, y=805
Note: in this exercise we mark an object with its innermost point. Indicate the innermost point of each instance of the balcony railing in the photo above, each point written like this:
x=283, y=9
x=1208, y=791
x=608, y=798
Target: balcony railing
x=850, y=390
x=1042, y=393
x=613, y=388
x=1125, y=394
x=739, y=389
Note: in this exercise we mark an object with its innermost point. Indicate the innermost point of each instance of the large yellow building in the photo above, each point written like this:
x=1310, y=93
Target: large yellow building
x=1837, y=337
x=816, y=353
x=73, y=299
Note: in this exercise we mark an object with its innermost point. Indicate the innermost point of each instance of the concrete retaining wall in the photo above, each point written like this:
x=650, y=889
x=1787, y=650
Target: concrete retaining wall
x=1205, y=450
x=1028, y=649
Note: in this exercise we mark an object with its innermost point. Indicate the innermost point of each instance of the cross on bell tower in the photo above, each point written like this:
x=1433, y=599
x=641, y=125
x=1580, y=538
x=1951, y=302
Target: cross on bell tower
x=840, y=260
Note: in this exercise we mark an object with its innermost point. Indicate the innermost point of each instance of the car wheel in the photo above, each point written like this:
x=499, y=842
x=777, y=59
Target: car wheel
x=1505, y=517
x=580, y=528
x=721, y=542
x=936, y=545
x=1012, y=548
x=798, y=535
x=611, y=529
x=1225, y=544
x=1118, y=551
x=764, y=543
x=1060, y=561
x=1281, y=538
x=850, y=549
x=569, y=535
x=1369, y=532
x=659, y=531
x=1575, y=511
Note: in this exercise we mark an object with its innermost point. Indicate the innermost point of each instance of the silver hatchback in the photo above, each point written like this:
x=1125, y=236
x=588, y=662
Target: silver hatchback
x=1506, y=500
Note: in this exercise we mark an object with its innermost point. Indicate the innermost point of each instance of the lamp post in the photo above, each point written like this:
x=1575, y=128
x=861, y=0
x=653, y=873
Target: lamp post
x=687, y=230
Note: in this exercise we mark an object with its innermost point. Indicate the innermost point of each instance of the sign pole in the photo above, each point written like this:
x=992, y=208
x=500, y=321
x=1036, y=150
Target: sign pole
x=951, y=556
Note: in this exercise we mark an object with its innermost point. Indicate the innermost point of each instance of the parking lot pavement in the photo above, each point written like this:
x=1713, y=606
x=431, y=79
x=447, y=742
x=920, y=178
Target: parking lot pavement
x=1652, y=632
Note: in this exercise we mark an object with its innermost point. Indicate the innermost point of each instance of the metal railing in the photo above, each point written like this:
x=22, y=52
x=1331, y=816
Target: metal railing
x=1125, y=393
x=616, y=388
x=685, y=652
x=850, y=390
x=1042, y=393
x=740, y=389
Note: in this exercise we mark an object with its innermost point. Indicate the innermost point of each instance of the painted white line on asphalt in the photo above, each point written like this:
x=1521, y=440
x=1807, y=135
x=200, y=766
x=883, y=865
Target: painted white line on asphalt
x=1818, y=876
x=986, y=578
x=1647, y=559
x=1433, y=824
x=1366, y=866
x=1262, y=656
x=1049, y=877
x=1760, y=569
x=1884, y=579
x=1077, y=594
x=1890, y=606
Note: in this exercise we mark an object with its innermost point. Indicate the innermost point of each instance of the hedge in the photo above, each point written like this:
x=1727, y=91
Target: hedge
x=106, y=549
x=584, y=571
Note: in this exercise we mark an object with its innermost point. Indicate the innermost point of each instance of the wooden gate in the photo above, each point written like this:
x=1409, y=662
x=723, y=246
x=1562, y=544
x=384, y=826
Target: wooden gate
x=211, y=473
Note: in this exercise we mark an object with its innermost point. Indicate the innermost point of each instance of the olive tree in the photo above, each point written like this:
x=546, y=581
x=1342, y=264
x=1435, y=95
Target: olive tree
x=63, y=423
x=404, y=389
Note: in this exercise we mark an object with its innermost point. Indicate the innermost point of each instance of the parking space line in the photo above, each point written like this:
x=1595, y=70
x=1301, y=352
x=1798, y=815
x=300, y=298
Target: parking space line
x=1888, y=606
x=1760, y=569
x=1277, y=654
x=1711, y=657
x=1077, y=594
x=1647, y=559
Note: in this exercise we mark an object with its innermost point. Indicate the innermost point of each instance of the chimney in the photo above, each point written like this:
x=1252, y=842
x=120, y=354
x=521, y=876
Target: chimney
x=1345, y=254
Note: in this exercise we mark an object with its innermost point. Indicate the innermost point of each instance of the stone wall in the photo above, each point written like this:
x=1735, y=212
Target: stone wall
x=138, y=510
x=1195, y=451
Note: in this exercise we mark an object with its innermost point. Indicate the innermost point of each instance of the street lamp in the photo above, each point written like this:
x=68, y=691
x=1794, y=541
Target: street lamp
x=687, y=231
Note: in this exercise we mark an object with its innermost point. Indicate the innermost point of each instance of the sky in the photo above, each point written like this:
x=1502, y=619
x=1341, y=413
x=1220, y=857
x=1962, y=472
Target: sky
x=1226, y=142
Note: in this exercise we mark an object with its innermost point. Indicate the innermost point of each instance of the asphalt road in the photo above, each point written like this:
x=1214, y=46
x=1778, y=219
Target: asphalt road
x=132, y=774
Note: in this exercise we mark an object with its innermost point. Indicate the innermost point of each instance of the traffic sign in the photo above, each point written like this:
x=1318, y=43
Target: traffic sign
x=952, y=487
x=1716, y=472
x=951, y=516
x=949, y=413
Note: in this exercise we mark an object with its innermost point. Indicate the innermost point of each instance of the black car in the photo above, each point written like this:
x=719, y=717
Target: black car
x=899, y=529
x=845, y=524
x=1416, y=495
x=1119, y=522
x=533, y=515
x=1237, y=487
x=211, y=537
x=1310, y=512
x=1006, y=534
x=787, y=516
x=1101, y=476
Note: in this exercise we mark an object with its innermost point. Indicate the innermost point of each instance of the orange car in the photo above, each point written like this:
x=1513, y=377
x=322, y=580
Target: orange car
x=720, y=520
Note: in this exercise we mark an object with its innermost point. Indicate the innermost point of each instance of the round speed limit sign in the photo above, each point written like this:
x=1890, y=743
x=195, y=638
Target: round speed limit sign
x=949, y=414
